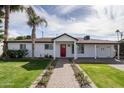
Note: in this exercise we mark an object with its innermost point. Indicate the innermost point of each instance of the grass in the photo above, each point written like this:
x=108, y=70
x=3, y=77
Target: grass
x=104, y=76
x=20, y=73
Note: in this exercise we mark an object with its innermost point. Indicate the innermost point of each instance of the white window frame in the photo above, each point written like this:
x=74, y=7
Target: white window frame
x=22, y=46
x=50, y=47
x=79, y=48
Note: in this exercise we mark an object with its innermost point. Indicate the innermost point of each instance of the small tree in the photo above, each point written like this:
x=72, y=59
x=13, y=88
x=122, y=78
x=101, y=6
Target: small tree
x=23, y=37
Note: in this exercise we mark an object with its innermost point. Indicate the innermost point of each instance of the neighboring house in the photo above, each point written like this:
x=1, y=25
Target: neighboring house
x=67, y=46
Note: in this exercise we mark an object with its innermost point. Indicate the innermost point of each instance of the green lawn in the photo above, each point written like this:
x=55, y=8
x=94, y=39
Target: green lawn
x=104, y=76
x=20, y=73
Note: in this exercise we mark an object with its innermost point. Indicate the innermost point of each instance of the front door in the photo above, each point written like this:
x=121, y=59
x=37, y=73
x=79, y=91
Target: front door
x=63, y=50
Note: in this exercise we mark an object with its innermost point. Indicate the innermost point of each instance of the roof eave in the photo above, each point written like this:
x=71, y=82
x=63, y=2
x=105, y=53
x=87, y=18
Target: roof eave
x=64, y=34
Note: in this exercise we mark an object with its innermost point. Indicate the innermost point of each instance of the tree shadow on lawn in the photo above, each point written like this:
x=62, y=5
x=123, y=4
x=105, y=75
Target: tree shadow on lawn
x=35, y=65
x=22, y=60
x=30, y=64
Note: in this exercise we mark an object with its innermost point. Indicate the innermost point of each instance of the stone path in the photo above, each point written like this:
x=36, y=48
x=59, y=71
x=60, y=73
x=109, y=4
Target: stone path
x=63, y=76
x=118, y=66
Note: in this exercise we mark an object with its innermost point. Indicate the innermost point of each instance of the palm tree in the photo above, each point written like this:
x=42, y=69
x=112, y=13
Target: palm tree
x=6, y=27
x=8, y=9
x=117, y=31
x=1, y=17
x=33, y=22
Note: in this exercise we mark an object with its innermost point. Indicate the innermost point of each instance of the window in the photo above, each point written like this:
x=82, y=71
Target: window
x=68, y=45
x=22, y=46
x=80, y=48
x=102, y=49
x=72, y=48
x=48, y=46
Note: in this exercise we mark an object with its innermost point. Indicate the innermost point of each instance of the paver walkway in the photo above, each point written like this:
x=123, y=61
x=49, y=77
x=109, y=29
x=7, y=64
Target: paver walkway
x=63, y=76
x=118, y=66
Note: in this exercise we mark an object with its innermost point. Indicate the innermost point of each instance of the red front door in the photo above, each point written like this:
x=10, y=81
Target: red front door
x=63, y=50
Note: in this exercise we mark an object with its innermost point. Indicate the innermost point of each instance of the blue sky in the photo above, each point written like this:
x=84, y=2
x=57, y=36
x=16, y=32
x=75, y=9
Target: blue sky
x=100, y=22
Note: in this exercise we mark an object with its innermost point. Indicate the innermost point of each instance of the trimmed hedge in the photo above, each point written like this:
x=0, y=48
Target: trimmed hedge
x=17, y=53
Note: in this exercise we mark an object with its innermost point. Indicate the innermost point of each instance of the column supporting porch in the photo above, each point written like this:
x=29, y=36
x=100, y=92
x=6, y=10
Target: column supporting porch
x=75, y=50
x=54, y=50
x=95, y=51
x=118, y=51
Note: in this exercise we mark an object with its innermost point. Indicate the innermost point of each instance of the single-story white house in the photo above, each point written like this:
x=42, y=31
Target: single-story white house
x=65, y=45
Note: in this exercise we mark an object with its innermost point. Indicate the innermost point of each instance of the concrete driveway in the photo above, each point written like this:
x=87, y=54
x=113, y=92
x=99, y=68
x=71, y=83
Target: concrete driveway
x=118, y=66
x=98, y=61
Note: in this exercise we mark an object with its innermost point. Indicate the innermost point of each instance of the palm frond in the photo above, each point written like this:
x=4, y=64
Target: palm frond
x=33, y=19
x=1, y=31
x=14, y=8
x=1, y=15
x=30, y=12
x=0, y=22
x=44, y=20
x=1, y=35
x=1, y=7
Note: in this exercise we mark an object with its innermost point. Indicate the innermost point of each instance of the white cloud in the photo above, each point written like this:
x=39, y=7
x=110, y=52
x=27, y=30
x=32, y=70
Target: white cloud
x=54, y=23
x=107, y=19
x=102, y=23
x=18, y=17
x=65, y=9
x=13, y=33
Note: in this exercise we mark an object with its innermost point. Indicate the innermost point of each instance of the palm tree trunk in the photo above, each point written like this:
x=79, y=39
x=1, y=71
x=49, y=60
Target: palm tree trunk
x=33, y=40
x=6, y=26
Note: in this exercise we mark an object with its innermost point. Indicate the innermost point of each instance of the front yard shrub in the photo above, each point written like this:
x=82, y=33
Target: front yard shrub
x=17, y=53
x=22, y=53
x=11, y=53
x=48, y=56
x=81, y=78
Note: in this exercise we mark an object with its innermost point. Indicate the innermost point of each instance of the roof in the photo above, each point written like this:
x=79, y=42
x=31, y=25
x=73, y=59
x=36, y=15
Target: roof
x=50, y=40
x=38, y=40
x=66, y=35
x=95, y=41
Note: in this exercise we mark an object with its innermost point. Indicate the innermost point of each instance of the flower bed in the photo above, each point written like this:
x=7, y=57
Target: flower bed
x=81, y=78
